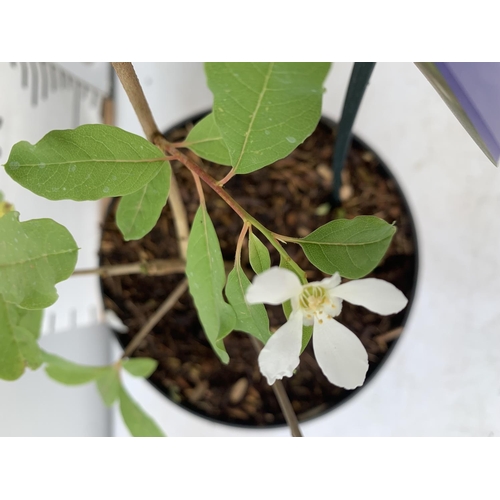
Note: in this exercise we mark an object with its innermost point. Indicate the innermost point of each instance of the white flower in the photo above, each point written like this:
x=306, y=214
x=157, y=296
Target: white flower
x=339, y=353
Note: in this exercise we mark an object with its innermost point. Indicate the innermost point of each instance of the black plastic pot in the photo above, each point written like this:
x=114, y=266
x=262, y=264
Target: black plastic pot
x=385, y=172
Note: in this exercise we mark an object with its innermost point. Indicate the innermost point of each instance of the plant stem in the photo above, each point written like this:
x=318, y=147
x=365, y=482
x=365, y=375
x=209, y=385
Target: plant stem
x=128, y=78
x=283, y=399
x=179, y=215
x=163, y=144
x=157, y=267
x=229, y=176
x=286, y=408
x=157, y=316
x=239, y=244
x=199, y=188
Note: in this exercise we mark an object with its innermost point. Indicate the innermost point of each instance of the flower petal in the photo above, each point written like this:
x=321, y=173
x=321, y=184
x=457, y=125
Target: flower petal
x=334, y=308
x=378, y=296
x=274, y=286
x=331, y=282
x=280, y=355
x=340, y=354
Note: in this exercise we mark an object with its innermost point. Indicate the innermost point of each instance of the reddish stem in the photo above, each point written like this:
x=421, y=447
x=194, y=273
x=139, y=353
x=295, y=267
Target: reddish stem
x=161, y=142
x=239, y=245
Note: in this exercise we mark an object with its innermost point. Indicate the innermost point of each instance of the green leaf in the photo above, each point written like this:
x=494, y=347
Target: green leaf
x=26, y=318
x=139, y=212
x=207, y=277
x=11, y=360
x=206, y=141
x=138, y=423
x=31, y=320
x=307, y=331
x=260, y=259
x=250, y=319
x=87, y=163
x=352, y=248
x=18, y=346
x=34, y=256
x=265, y=110
x=287, y=264
x=108, y=384
x=227, y=321
x=70, y=373
x=29, y=348
x=140, y=367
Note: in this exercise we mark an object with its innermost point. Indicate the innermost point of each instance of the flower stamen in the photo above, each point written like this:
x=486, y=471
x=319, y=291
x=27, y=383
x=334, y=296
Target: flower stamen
x=313, y=299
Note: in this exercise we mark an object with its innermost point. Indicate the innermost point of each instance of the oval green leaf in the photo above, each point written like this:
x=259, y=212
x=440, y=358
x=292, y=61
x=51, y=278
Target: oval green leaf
x=69, y=373
x=31, y=320
x=139, y=424
x=260, y=260
x=34, y=256
x=353, y=248
x=250, y=319
x=18, y=345
x=206, y=141
x=29, y=348
x=28, y=319
x=139, y=212
x=265, y=110
x=108, y=384
x=207, y=277
x=140, y=367
x=87, y=163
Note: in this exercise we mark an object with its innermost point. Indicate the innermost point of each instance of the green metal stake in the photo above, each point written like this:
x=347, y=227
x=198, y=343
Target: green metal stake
x=360, y=77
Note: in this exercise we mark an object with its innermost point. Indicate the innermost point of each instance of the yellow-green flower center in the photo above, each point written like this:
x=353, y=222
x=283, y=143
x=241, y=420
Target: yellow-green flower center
x=313, y=298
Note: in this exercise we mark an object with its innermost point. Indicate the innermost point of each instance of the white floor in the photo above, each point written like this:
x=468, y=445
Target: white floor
x=443, y=378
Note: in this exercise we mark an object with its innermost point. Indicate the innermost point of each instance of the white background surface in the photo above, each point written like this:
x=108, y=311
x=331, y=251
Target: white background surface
x=443, y=378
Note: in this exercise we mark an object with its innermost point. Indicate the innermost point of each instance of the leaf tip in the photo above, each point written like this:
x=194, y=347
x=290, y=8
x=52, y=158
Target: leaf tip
x=223, y=356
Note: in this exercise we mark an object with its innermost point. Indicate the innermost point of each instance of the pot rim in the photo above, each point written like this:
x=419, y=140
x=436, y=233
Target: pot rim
x=359, y=144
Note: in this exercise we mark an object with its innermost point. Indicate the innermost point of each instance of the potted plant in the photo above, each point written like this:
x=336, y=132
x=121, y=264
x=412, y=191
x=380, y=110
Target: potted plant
x=261, y=114
x=189, y=373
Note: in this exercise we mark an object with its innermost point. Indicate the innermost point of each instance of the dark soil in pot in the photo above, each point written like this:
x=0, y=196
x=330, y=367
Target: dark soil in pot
x=287, y=198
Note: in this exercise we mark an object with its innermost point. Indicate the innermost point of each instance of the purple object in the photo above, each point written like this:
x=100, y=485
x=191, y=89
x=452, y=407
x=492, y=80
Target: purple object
x=472, y=91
